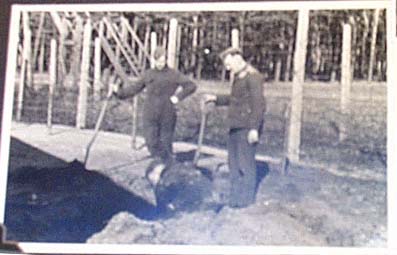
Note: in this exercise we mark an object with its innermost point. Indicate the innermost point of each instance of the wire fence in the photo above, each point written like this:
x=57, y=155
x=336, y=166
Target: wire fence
x=268, y=42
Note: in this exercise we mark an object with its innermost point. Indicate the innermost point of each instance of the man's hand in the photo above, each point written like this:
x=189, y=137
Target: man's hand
x=207, y=102
x=174, y=99
x=253, y=136
x=115, y=87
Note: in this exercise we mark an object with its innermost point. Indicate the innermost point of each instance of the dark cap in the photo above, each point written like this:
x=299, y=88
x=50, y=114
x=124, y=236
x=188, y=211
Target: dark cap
x=159, y=52
x=230, y=51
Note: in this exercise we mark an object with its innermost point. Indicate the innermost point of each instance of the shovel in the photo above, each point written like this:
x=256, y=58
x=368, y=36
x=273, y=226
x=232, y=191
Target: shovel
x=204, y=114
x=284, y=159
x=98, y=125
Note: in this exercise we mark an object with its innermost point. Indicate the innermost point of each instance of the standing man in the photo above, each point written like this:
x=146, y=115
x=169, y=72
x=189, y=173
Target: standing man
x=245, y=118
x=165, y=87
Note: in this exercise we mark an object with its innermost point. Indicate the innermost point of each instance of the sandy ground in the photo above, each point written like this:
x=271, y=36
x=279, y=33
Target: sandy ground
x=52, y=199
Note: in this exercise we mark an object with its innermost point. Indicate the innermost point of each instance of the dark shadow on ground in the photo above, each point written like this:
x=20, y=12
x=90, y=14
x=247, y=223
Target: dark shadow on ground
x=63, y=204
x=50, y=200
x=262, y=170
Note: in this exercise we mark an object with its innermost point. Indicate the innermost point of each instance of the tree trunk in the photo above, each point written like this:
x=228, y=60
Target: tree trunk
x=42, y=54
x=242, y=29
x=373, y=44
x=200, y=57
x=290, y=55
x=38, y=40
x=77, y=47
x=364, y=44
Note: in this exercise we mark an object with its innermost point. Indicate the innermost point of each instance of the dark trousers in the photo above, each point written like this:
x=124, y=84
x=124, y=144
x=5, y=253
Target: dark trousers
x=159, y=135
x=242, y=166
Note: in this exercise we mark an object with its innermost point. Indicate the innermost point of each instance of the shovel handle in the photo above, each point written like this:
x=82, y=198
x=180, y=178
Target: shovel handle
x=201, y=137
x=98, y=124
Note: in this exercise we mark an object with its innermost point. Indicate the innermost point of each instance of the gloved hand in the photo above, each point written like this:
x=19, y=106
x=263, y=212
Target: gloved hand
x=253, y=136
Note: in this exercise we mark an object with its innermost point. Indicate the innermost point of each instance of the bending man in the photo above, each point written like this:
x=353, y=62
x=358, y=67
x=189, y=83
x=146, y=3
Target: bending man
x=159, y=112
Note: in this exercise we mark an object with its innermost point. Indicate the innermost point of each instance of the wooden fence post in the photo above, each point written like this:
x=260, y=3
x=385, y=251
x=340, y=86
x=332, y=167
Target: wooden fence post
x=143, y=59
x=172, y=40
x=194, y=42
x=53, y=75
x=153, y=45
x=84, y=77
x=294, y=134
x=25, y=63
x=97, y=69
x=345, y=81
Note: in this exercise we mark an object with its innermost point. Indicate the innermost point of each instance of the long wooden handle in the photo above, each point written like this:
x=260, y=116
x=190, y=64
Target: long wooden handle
x=201, y=137
x=98, y=125
x=285, y=159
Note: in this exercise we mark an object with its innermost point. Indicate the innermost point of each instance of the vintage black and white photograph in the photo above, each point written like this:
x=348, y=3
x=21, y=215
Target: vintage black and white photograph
x=262, y=126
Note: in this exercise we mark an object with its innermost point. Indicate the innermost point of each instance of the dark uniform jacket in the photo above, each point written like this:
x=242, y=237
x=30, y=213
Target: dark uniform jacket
x=160, y=86
x=246, y=101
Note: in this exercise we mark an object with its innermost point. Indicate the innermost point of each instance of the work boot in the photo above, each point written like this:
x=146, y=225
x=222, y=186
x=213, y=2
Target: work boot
x=154, y=172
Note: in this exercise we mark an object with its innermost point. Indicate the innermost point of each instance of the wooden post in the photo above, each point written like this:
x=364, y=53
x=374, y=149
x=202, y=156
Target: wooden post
x=345, y=81
x=97, y=69
x=24, y=66
x=53, y=73
x=28, y=52
x=135, y=30
x=235, y=38
x=297, y=85
x=373, y=44
x=63, y=30
x=194, y=41
x=172, y=34
x=153, y=46
x=146, y=45
x=84, y=77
